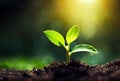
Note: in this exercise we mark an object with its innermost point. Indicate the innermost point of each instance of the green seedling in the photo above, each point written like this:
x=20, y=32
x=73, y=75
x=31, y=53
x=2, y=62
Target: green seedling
x=72, y=34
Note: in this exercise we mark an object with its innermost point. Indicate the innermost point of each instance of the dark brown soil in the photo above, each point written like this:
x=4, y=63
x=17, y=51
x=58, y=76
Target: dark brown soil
x=74, y=71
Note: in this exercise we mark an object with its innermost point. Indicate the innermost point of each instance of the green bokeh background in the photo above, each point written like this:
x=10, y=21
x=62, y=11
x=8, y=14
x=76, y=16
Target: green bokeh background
x=24, y=46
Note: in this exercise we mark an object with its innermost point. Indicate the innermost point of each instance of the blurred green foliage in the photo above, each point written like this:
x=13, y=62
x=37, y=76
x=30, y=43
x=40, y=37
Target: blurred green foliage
x=22, y=63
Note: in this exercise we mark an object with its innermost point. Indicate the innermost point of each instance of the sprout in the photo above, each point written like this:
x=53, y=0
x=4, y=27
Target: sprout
x=72, y=34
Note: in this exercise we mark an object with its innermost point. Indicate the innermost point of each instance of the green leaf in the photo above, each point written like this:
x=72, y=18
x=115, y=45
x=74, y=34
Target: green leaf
x=55, y=37
x=72, y=34
x=85, y=48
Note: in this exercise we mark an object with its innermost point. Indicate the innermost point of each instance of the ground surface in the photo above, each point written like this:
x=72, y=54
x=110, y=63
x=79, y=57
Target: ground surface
x=74, y=71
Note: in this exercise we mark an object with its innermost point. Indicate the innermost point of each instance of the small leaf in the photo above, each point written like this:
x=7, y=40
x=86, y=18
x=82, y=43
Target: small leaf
x=55, y=37
x=72, y=34
x=85, y=48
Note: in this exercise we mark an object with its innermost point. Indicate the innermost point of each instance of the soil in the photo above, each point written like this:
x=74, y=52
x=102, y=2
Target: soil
x=74, y=71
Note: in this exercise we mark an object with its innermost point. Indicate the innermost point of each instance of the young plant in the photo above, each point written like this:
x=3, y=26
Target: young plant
x=72, y=34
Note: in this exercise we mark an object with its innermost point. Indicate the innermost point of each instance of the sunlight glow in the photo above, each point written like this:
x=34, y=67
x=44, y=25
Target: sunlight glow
x=86, y=13
x=88, y=1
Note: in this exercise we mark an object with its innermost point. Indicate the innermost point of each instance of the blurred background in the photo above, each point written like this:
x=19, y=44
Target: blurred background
x=22, y=22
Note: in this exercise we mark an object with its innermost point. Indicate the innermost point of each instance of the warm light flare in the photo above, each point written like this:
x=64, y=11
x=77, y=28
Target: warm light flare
x=86, y=13
x=88, y=1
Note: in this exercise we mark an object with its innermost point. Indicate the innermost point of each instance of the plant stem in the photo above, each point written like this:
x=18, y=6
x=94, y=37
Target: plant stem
x=67, y=53
x=67, y=57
